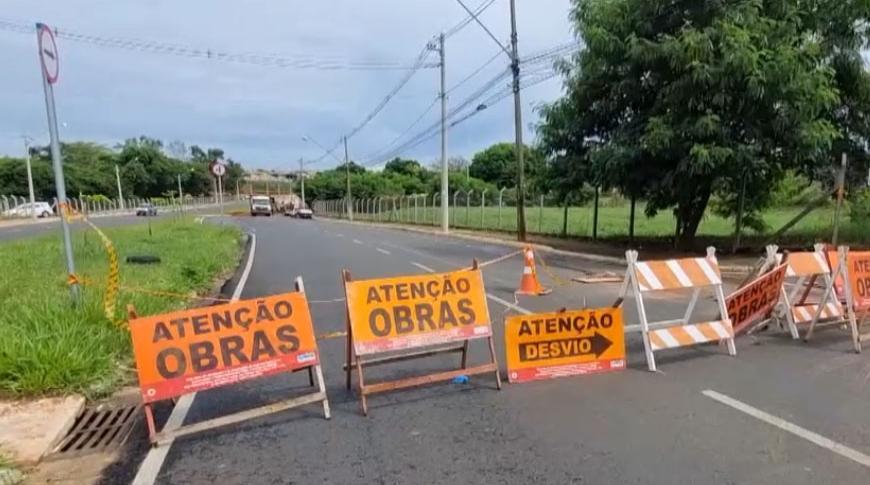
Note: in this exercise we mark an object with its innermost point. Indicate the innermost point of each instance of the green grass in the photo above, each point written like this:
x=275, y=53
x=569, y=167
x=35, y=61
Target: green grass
x=614, y=219
x=49, y=346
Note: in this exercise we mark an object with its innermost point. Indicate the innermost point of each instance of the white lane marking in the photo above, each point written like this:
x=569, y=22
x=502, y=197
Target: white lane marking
x=153, y=462
x=508, y=304
x=357, y=241
x=383, y=251
x=339, y=234
x=490, y=295
x=423, y=267
x=794, y=429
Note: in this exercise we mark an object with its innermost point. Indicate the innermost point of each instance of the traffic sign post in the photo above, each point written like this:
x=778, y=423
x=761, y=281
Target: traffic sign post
x=219, y=170
x=49, y=64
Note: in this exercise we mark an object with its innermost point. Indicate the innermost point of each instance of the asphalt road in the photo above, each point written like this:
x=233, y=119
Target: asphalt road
x=25, y=229
x=627, y=427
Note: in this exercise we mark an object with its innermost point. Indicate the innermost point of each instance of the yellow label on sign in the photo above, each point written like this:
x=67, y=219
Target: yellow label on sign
x=575, y=342
x=415, y=311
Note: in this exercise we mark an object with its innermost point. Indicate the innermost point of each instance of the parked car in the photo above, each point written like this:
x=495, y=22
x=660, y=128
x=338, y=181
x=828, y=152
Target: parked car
x=304, y=213
x=146, y=209
x=261, y=204
x=41, y=209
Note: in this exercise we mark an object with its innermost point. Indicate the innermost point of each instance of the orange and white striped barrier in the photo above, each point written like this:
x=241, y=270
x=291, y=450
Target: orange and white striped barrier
x=800, y=309
x=676, y=274
x=849, y=289
x=529, y=284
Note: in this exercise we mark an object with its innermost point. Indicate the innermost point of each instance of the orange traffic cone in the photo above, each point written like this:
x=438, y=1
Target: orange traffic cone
x=529, y=284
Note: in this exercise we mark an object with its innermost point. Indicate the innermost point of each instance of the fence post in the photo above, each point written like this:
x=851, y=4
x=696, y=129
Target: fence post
x=482, y=207
x=500, y=198
x=541, y=216
x=416, y=196
x=453, y=209
x=468, y=206
x=434, y=215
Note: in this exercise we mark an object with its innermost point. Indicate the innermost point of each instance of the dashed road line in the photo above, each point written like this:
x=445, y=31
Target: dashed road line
x=423, y=267
x=792, y=428
x=339, y=234
x=384, y=251
x=492, y=297
x=357, y=241
x=150, y=468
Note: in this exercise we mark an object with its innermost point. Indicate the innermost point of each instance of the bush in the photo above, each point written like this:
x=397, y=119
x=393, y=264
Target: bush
x=795, y=190
x=859, y=206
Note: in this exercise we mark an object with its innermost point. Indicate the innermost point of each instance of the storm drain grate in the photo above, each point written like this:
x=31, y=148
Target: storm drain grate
x=98, y=428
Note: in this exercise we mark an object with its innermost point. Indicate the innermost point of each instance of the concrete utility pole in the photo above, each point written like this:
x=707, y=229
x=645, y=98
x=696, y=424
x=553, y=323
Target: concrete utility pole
x=302, y=180
x=33, y=214
x=518, y=126
x=513, y=55
x=118, y=180
x=445, y=179
x=347, y=174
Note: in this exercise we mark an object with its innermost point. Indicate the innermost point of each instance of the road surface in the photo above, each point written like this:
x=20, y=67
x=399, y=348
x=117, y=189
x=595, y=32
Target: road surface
x=780, y=412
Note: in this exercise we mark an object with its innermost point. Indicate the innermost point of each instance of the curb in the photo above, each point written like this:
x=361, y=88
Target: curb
x=492, y=240
x=615, y=260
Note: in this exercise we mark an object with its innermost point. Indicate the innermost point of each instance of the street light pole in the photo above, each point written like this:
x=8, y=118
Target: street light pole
x=118, y=180
x=30, y=179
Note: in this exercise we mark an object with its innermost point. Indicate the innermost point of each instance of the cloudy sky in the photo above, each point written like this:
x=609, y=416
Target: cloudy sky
x=260, y=113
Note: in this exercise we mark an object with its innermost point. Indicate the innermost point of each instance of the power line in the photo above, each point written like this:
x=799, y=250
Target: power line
x=429, y=133
x=405, y=132
x=468, y=19
x=269, y=60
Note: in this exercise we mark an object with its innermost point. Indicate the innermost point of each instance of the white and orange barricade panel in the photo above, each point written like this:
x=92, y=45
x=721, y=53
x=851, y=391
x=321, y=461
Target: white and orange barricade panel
x=645, y=277
x=805, y=270
x=850, y=277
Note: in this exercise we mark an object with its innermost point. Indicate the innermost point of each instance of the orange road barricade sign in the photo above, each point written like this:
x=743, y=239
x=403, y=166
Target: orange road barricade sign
x=566, y=343
x=752, y=305
x=415, y=316
x=204, y=348
x=800, y=302
x=673, y=275
x=853, y=269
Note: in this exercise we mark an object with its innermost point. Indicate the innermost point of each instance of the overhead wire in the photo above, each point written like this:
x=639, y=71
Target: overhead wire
x=269, y=60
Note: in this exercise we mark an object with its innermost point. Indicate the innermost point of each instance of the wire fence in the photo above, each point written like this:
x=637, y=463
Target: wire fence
x=496, y=211
x=19, y=207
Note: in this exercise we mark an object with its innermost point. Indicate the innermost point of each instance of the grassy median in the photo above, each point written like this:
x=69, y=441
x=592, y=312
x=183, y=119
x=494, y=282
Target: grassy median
x=50, y=346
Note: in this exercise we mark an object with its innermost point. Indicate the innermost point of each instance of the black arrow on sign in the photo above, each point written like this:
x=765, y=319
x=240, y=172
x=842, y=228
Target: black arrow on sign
x=600, y=344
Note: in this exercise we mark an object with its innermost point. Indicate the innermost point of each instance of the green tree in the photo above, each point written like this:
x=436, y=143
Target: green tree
x=498, y=165
x=691, y=98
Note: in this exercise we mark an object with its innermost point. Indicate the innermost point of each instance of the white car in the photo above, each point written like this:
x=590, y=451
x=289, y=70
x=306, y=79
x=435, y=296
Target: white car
x=41, y=209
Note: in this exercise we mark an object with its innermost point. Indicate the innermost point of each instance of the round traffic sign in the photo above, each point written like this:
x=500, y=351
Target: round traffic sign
x=218, y=169
x=48, y=53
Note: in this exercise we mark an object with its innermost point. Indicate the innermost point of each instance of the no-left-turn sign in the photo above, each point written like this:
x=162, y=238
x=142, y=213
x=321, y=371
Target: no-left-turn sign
x=48, y=53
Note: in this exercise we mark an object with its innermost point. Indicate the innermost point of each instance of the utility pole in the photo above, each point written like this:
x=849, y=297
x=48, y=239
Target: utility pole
x=518, y=126
x=513, y=55
x=302, y=181
x=118, y=180
x=445, y=179
x=30, y=179
x=347, y=174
